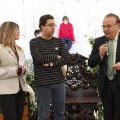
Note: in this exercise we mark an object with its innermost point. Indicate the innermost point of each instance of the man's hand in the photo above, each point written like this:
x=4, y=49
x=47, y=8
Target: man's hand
x=116, y=66
x=47, y=65
x=103, y=49
x=58, y=57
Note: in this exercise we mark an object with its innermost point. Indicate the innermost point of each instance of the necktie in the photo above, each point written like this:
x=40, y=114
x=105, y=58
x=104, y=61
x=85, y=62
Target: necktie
x=110, y=71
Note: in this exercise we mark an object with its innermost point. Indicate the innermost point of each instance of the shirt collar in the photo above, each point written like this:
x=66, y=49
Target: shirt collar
x=116, y=37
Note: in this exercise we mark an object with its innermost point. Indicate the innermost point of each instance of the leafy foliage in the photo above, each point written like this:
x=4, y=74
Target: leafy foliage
x=91, y=41
x=30, y=79
x=95, y=70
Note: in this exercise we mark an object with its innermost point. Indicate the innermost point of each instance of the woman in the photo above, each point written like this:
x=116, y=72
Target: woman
x=66, y=32
x=12, y=71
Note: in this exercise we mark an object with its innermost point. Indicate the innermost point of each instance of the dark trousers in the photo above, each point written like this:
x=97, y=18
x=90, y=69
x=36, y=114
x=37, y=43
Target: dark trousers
x=12, y=105
x=68, y=42
x=111, y=99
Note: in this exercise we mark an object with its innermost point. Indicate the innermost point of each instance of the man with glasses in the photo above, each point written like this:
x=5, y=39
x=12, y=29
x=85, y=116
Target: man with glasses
x=49, y=55
x=106, y=54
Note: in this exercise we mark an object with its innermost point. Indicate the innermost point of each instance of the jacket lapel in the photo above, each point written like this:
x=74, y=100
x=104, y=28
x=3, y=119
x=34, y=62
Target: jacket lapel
x=9, y=50
x=21, y=56
x=106, y=40
x=118, y=50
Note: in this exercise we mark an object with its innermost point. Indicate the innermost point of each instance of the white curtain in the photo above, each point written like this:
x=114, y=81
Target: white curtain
x=85, y=15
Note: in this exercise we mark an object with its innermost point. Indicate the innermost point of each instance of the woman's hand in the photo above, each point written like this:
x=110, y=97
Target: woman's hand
x=20, y=70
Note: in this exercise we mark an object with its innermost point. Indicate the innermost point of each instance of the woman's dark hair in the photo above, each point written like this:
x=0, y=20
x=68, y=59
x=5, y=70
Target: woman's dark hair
x=65, y=18
x=43, y=20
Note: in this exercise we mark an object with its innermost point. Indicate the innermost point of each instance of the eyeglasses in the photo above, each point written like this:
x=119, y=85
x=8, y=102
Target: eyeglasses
x=51, y=25
x=108, y=26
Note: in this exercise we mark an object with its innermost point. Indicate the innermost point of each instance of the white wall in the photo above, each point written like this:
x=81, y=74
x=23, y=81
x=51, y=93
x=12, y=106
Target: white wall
x=85, y=15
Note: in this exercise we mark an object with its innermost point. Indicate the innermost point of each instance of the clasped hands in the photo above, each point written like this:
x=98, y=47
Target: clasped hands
x=103, y=50
x=20, y=70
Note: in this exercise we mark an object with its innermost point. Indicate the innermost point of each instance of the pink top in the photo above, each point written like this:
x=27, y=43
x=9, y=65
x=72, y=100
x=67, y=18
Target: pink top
x=66, y=30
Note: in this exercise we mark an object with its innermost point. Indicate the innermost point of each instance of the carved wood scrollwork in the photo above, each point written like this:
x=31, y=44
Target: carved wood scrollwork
x=80, y=111
x=77, y=74
x=81, y=94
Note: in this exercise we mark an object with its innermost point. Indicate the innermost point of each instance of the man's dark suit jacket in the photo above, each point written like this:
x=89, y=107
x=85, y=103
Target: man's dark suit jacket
x=95, y=59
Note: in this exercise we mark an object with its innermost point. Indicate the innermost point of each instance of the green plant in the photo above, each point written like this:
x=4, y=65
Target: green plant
x=91, y=41
x=100, y=112
x=29, y=79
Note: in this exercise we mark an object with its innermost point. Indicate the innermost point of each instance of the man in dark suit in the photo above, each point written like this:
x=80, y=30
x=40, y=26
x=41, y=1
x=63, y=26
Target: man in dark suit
x=109, y=74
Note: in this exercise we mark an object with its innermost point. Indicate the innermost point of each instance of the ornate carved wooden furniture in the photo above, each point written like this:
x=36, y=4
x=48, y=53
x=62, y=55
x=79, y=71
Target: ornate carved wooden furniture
x=81, y=94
